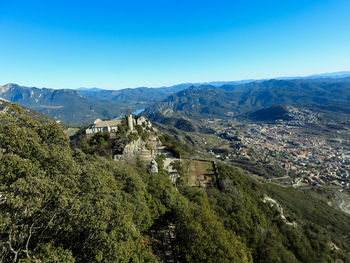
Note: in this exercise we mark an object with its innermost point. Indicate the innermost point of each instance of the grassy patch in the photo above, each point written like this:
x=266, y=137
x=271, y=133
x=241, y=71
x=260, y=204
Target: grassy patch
x=199, y=173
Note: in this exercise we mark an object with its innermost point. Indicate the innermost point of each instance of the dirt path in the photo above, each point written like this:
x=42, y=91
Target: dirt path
x=342, y=202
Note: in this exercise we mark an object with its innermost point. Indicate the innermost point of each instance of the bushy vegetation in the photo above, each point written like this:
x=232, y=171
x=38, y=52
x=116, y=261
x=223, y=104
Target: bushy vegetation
x=59, y=205
x=142, y=132
x=106, y=144
x=174, y=146
x=262, y=229
x=62, y=205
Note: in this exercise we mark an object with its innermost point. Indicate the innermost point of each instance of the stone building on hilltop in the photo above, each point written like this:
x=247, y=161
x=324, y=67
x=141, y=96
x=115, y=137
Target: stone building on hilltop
x=102, y=126
x=112, y=125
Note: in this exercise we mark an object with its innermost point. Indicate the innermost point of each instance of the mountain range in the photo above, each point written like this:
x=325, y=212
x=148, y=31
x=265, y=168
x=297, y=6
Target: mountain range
x=237, y=100
x=82, y=106
x=196, y=100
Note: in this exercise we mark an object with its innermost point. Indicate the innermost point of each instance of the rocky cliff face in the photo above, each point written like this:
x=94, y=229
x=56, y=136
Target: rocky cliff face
x=139, y=149
x=132, y=150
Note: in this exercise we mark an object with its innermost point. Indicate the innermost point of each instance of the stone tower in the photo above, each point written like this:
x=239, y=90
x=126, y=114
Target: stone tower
x=130, y=122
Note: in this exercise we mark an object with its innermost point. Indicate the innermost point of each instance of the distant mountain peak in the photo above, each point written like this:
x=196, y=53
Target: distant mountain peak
x=88, y=89
x=340, y=74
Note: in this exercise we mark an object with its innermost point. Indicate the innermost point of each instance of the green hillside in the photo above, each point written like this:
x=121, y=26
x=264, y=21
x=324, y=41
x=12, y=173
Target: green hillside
x=35, y=115
x=61, y=205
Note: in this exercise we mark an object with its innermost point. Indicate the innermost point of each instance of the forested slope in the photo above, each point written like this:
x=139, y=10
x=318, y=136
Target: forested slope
x=59, y=205
x=63, y=206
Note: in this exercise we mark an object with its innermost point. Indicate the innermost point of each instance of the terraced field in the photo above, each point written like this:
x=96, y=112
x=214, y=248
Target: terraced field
x=200, y=173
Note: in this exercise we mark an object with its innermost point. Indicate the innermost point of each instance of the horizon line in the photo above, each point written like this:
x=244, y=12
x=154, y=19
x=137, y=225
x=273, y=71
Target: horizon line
x=315, y=75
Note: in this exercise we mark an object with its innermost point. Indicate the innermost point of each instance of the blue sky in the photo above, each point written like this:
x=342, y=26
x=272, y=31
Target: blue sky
x=124, y=44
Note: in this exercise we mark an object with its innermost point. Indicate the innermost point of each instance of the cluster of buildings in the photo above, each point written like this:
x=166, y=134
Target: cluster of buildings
x=112, y=125
x=315, y=157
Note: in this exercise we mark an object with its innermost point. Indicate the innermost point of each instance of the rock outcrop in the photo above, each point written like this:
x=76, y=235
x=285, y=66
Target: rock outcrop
x=132, y=150
x=154, y=166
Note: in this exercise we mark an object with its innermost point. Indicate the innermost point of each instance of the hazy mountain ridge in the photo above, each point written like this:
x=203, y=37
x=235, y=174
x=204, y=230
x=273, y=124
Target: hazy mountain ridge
x=83, y=105
x=137, y=96
x=66, y=105
x=229, y=100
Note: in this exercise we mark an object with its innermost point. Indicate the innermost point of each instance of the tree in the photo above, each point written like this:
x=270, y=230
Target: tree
x=62, y=206
x=178, y=167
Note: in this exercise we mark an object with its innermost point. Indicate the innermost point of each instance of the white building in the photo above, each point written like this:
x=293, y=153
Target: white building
x=101, y=126
x=112, y=125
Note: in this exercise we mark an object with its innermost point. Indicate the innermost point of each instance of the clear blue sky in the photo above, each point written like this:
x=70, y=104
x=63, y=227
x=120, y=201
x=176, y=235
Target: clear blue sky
x=125, y=44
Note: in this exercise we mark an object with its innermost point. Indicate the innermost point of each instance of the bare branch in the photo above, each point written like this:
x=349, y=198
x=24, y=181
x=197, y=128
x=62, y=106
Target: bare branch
x=28, y=239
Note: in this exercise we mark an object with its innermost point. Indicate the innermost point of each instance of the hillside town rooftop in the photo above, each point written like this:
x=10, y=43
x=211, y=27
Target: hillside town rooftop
x=101, y=126
x=108, y=123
